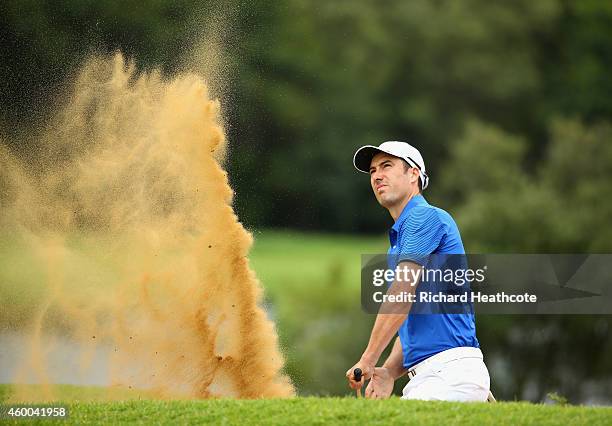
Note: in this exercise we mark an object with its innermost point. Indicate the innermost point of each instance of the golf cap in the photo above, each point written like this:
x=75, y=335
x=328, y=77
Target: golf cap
x=363, y=157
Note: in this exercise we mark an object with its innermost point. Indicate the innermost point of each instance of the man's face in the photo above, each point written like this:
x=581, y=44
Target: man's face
x=390, y=180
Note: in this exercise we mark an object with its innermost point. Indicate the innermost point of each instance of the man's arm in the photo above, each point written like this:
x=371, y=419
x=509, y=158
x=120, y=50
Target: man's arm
x=395, y=361
x=388, y=321
x=383, y=379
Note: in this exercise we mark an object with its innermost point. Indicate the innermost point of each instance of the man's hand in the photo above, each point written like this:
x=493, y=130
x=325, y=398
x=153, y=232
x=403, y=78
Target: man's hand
x=386, y=325
x=367, y=369
x=381, y=385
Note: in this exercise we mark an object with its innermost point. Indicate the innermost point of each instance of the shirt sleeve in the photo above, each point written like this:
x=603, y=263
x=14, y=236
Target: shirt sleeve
x=420, y=236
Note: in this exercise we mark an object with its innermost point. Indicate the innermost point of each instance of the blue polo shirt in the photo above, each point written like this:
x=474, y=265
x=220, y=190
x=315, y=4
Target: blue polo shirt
x=419, y=231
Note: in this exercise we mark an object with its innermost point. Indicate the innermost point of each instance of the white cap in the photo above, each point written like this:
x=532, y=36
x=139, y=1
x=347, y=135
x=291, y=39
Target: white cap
x=363, y=157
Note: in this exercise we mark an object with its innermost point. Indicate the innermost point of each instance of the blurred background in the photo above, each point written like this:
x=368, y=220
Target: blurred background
x=509, y=102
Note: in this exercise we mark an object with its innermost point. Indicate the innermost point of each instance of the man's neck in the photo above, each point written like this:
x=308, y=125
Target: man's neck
x=397, y=209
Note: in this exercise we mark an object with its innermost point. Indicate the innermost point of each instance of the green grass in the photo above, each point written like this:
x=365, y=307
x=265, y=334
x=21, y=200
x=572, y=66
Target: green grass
x=317, y=411
x=10, y=393
x=279, y=257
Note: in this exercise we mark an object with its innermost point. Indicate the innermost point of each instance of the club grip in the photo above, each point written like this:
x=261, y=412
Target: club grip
x=357, y=373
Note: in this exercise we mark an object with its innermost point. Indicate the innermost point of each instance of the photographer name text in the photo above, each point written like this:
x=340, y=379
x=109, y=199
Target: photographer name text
x=440, y=297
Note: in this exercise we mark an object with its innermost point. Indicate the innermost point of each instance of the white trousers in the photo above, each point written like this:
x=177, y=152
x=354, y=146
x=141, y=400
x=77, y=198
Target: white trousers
x=458, y=374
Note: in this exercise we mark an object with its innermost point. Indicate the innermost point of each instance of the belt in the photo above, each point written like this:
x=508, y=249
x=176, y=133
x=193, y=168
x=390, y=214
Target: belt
x=444, y=357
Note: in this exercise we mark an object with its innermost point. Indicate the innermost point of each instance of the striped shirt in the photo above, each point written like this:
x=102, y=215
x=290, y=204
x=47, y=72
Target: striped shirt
x=420, y=231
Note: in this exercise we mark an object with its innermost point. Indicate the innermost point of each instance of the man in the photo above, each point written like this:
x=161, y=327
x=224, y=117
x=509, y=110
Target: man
x=439, y=351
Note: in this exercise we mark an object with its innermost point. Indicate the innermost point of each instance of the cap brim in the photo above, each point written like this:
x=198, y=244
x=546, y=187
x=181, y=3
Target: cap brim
x=363, y=157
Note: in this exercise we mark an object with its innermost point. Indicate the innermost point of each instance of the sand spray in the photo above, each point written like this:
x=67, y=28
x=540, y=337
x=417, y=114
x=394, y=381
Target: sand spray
x=125, y=217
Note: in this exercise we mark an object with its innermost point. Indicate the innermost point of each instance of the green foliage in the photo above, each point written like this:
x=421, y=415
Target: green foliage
x=44, y=42
x=303, y=85
x=344, y=74
x=562, y=206
x=578, y=80
x=578, y=170
x=483, y=160
x=557, y=399
x=503, y=207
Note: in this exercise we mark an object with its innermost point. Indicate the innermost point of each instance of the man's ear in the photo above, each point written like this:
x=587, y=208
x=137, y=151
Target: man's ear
x=415, y=174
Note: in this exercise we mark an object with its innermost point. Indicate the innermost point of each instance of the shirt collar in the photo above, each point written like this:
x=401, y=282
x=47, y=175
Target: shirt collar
x=417, y=200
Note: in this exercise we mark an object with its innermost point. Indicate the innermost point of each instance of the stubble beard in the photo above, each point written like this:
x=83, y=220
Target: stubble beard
x=387, y=199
